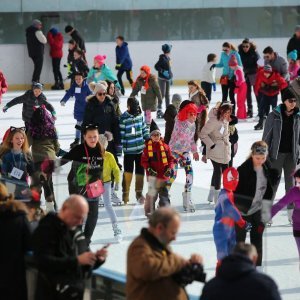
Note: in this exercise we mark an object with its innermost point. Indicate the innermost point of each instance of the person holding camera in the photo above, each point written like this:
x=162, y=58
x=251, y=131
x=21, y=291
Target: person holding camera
x=153, y=270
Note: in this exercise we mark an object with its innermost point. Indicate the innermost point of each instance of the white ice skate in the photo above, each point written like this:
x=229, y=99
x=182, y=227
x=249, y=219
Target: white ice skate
x=290, y=215
x=101, y=202
x=49, y=207
x=117, y=232
x=188, y=205
x=211, y=194
x=115, y=200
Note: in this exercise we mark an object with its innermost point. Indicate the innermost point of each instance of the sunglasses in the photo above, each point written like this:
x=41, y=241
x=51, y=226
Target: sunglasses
x=291, y=100
x=101, y=94
x=12, y=128
x=246, y=46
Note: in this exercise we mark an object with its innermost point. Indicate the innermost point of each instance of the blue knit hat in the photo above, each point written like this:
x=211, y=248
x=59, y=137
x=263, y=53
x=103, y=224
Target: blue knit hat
x=293, y=55
x=54, y=30
x=166, y=48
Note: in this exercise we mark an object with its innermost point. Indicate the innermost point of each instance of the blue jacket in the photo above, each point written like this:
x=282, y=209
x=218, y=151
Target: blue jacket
x=224, y=60
x=80, y=99
x=164, y=64
x=123, y=57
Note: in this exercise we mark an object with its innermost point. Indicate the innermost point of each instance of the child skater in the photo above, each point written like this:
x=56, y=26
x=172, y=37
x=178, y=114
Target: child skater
x=158, y=162
x=293, y=64
x=3, y=85
x=181, y=144
x=227, y=215
x=80, y=90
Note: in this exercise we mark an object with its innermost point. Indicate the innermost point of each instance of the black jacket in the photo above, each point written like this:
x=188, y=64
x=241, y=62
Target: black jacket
x=78, y=39
x=103, y=115
x=249, y=60
x=163, y=64
x=293, y=44
x=15, y=236
x=55, y=249
x=169, y=116
x=34, y=46
x=238, y=279
x=246, y=188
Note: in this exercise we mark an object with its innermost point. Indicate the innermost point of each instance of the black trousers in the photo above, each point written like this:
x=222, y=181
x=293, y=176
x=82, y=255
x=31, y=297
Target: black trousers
x=207, y=87
x=256, y=233
x=92, y=219
x=133, y=159
x=56, y=69
x=264, y=104
x=128, y=75
x=217, y=174
x=229, y=90
x=38, y=65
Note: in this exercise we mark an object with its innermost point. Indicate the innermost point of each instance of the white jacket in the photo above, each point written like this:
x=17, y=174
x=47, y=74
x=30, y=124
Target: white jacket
x=207, y=74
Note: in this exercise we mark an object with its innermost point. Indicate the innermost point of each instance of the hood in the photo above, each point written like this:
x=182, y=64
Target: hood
x=212, y=113
x=234, y=267
x=281, y=107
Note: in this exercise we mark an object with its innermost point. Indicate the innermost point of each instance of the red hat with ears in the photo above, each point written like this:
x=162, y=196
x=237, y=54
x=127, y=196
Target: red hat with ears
x=230, y=179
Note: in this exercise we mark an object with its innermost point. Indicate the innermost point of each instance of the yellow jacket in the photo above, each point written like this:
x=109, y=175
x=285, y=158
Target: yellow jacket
x=110, y=166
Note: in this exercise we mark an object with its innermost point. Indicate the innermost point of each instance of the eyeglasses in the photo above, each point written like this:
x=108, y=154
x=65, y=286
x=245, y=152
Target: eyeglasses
x=246, y=46
x=12, y=128
x=291, y=100
x=101, y=94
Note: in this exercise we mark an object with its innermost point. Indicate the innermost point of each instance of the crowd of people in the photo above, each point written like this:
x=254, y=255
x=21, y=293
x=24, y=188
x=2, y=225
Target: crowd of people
x=194, y=127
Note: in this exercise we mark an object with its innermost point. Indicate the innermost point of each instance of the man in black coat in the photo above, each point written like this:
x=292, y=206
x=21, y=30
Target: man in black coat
x=61, y=252
x=294, y=42
x=237, y=278
x=36, y=41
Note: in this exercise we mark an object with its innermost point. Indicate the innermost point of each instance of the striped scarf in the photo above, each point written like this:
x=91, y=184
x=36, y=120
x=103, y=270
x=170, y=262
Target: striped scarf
x=162, y=151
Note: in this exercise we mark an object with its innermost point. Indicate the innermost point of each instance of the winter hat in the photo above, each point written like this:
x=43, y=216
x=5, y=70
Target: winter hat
x=100, y=59
x=166, y=48
x=97, y=87
x=268, y=68
x=293, y=55
x=287, y=94
x=297, y=28
x=230, y=179
x=37, y=85
x=186, y=107
x=134, y=106
x=54, y=30
x=36, y=22
x=68, y=28
x=105, y=138
x=154, y=128
x=176, y=100
x=147, y=70
x=232, y=61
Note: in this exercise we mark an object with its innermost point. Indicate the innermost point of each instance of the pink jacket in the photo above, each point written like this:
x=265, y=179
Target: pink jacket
x=239, y=76
x=3, y=85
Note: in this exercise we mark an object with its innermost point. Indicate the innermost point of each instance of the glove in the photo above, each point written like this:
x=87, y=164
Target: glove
x=5, y=108
x=152, y=172
x=168, y=172
x=212, y=67
x=214, y=86
x=116, y=187
x=62, y=103
x=53, y=115
x=118, y=66
x=166, y=74
x=248, y=226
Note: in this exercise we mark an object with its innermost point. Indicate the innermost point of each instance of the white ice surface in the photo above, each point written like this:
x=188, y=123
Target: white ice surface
x=280, y=257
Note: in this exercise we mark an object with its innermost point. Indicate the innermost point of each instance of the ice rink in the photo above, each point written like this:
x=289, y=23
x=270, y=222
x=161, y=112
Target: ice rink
x=280, y=259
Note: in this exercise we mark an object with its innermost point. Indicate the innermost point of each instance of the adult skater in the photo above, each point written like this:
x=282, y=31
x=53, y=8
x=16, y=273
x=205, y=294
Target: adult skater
x=73, y=32
x=294, y=42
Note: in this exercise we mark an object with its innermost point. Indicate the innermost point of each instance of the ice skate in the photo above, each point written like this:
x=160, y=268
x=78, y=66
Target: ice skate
x=141, y=199
x=216, y=196
x=75, y=143
x=188, y=205
x=49, y=207
x=211, y=194
x=115, y=200
x=159, y=114
x=259, y=125
x=101, y=202
x=117, y=232
x=290, y=215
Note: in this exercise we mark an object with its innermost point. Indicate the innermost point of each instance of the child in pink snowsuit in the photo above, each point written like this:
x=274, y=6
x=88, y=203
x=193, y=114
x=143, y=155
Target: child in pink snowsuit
x=3, y=85
x=241, y=88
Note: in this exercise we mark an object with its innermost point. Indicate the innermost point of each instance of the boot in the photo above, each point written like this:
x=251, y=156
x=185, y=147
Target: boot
x=249, y=113
x=49, y=207
x=139, y=184
x=290, y=215
x=61, y=85
x=55, y=86
x=75, y=143
x=259, y=125
x=216, y=196
x=159, y=114
x=210, y=197
x=127, y=178
x=101, y=202
x=188, y=205
x=117, y=232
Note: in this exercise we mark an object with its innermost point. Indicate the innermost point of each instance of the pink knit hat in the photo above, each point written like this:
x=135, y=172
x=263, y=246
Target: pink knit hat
x=100, y=59
x=232, y=61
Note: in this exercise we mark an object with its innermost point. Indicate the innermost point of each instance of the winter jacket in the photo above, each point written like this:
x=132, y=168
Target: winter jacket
x=216, y=132
x=102, y=114
x=29, y=101
x=293, y=71
x=44, y=149
x=237, y=278
x=123, y=57
x=80, y=94
x=155, y=162
x=133, y=132
x=164, y=64
x=233, y=132
x=182, y=138
x=293, y=196
x=294, y=44
x=116, y=103
x=79, y=65
x=269, y=86
x=102, y=74
x=280, y=65
x=110, y=167
x=169, y=116
x=15, y=241
x=295, y=88
x=3, y=85
x=34, y=46
x=208, y=75
x=239, y=77
x=150, y=266
x=245, y=191
x=55, y=248
x=149, y=98
x=249, y=60
x=224, y=60
x=79, y=40
x=273, y=131
x=56, y=43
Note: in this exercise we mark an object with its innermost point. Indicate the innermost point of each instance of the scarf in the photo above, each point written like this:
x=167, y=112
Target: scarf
x=162, y=151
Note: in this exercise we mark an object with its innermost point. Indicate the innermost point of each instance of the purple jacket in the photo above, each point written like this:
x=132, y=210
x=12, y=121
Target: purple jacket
x=292, y=196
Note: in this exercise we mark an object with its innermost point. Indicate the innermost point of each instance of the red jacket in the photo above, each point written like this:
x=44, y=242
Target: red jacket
x=155, y=162
x=56, y=44
x=269, y=86
x=3, y=85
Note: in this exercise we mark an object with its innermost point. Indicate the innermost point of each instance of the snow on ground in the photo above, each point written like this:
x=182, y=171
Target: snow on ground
x=280, y=258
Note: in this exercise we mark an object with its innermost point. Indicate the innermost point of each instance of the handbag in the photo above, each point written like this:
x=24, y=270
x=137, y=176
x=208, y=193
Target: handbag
x=96, y=188
x=224, y=80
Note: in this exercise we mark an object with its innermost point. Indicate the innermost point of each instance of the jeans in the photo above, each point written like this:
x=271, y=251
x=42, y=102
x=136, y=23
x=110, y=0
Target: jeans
x=129, y=78
x=107, y=202
x=38, y=65
x=207, y=87
x=264, y=104
x=56, y=70
x=217, y=174
x=164, y=86
x=92, y=218
x=77, y=131
x=229, y=89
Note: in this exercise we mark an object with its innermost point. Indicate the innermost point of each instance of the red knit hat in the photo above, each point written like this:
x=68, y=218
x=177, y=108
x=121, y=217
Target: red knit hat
x=147, y=70
x=189, y=108
x=232, y=61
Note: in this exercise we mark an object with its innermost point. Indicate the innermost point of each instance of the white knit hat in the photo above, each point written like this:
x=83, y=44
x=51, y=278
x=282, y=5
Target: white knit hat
x=97, y=87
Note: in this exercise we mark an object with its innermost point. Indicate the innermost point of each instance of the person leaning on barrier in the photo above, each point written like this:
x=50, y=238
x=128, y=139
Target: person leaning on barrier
x=62, y=256
x=153, y=270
